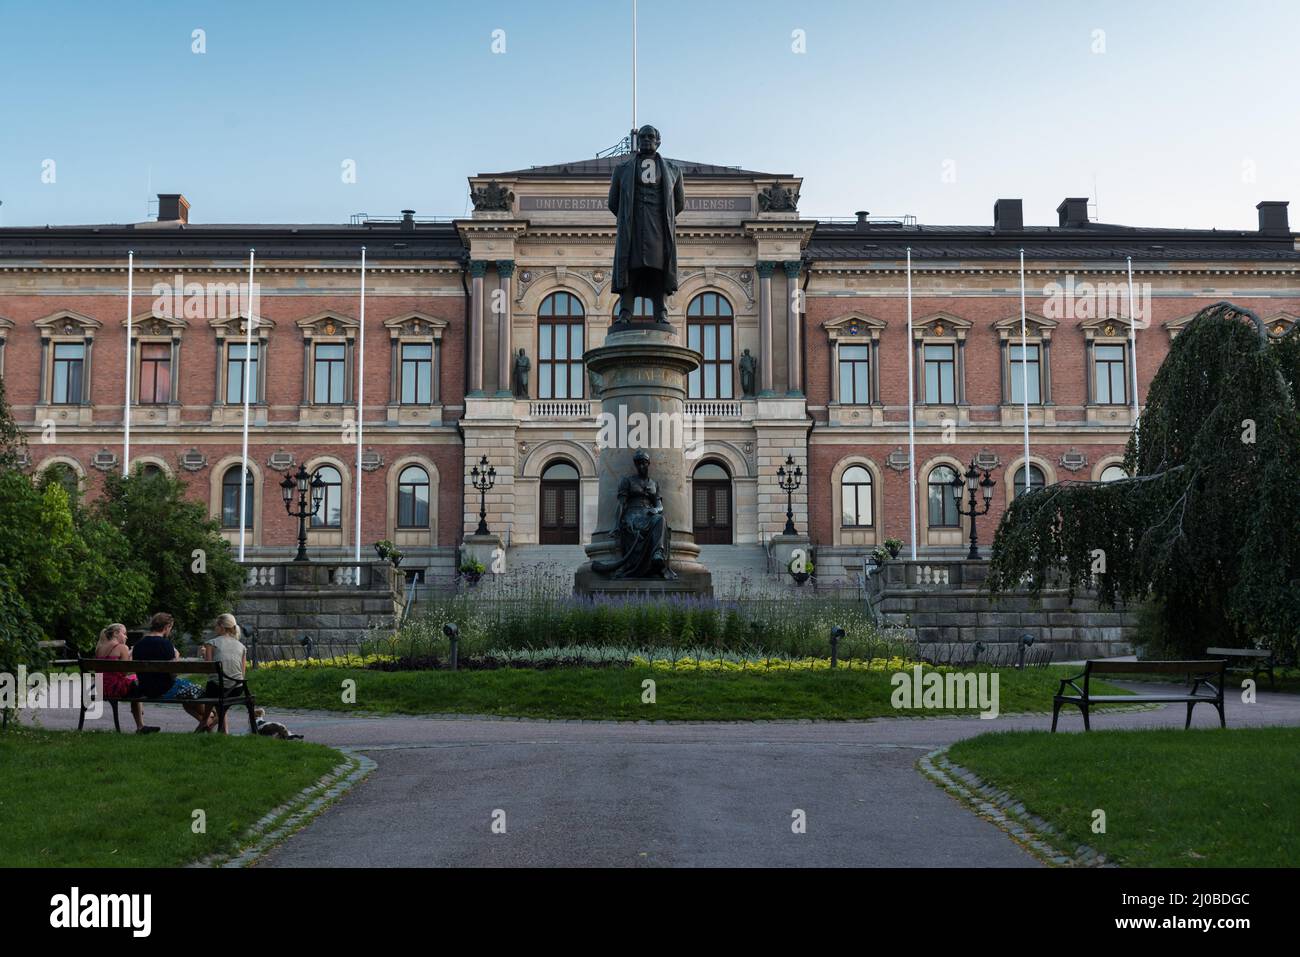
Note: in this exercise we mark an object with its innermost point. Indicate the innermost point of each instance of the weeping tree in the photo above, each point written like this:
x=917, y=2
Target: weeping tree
x=1208, y=524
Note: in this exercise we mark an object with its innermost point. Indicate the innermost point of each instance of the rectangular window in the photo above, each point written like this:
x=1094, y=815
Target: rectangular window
x=855, y=375
x=155, y=373
x=330, y=362
x=715, y=378
x=69, y=363
x=940, y=375
x=1024, y=359
x=1109, y=362
x=559, y=360
x=417, y=373
x=235, y=373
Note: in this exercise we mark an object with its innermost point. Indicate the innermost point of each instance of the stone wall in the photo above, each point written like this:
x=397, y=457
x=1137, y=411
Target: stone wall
x=945, y=601
x=326, y=601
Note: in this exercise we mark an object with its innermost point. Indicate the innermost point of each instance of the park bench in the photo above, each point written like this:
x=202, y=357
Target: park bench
x=1206, y=678
x=1258, y=659
x=181, y=666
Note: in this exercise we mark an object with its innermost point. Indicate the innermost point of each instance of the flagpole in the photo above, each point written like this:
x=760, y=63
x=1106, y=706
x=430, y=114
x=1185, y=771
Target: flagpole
x=126, y=407
x=632, y=140
x=249, y=321
x=361, y=394
x=1024, y=368
x=911, y=410
x=1133, y=353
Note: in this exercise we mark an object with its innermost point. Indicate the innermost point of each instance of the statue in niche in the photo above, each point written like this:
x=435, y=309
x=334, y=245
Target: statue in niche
x=748, y=374
x=522, y=365
x=640, y=528
x=646, y=196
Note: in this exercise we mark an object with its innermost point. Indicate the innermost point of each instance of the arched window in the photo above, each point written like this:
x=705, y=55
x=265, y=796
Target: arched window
x=943, y=507
x=413, y=498
x=560, y=344
x=230, y=499
x=1036, y=480
x=150, y=470
x=1113, y=473
x=709, y=332
x=855, y=498
x=330, y=514
x=65, y=475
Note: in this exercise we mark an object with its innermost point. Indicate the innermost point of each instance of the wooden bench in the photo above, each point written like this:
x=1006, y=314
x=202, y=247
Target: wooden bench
x=1206, y=676
x=181, y=666
x=1261, y=660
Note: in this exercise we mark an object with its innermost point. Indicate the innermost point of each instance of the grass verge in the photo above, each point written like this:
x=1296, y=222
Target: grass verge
x=1202, y=798
x=616, y=693
x=92, y=799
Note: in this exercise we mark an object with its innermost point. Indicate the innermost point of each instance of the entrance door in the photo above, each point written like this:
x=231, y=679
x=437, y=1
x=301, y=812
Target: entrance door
x=712, y=506
x=560, y=504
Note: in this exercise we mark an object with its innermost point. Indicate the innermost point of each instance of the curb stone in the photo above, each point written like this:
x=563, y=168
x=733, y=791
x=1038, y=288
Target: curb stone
x=1038, y=837
x=278, y=823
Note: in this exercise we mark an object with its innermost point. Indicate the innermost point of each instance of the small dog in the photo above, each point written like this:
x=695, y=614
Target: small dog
x=273, y=729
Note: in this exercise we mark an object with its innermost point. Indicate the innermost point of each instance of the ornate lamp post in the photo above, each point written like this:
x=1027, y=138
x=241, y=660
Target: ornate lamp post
x=483, y=477
x=973, y=483
x=305, y=485
x=789, y=476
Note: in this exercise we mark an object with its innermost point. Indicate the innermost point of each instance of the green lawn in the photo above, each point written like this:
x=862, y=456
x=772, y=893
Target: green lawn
x=616, y=693
x=1203, y=798
x=94, y=799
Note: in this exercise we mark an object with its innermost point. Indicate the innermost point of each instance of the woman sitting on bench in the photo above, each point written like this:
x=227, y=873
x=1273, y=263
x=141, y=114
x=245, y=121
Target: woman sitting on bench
x=112, y=647
x=227, y=649
x=157, y=646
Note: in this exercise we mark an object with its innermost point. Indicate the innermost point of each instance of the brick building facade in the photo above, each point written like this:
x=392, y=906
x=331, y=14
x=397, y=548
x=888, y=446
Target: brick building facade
x=821, y=306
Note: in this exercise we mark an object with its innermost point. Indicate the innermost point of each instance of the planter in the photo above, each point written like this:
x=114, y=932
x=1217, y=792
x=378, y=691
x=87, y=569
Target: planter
x=800, y=577
x=471, y=578
x=893, y=550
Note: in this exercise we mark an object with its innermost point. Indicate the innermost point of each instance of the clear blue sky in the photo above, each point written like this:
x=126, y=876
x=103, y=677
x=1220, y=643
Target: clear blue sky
x=1189, y=99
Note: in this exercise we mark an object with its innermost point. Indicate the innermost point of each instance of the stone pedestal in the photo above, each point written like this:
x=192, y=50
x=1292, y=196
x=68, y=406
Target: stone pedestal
x=783, y=548
x=643, y=372
x=480, y=548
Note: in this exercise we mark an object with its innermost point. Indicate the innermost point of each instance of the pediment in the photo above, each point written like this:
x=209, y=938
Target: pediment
x=1035, y=325
x=416, y=324
x=328, y=323
x=151, y=324
x=68, y=323
x=941, y=324
x=854, y=325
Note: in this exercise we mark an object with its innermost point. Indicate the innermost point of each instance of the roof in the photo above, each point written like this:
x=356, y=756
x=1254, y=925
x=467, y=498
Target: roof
x=887, y=241
x=387, y=241
x=601, y=167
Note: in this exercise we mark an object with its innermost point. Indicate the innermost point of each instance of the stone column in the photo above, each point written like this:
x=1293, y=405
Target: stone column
x=794, y=371
x=505, y=269
x=765, y=270
x=477, y=270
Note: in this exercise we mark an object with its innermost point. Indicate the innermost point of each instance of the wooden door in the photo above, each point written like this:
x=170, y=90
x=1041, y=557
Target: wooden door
x=560, y=502
x=712, y=510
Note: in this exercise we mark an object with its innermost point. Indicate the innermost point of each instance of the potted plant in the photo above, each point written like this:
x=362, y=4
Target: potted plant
x=893, y=546
x=878, y=555
x=387, y=551
x=472, y=570
x=800, y=570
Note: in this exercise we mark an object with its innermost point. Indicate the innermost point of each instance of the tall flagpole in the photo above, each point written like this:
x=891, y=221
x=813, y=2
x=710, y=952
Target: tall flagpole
x=1024, y=367
x=361, y=396
x=911, y=409
x=126, y=406
x=249, y=321
x=632, y=139
x=1133, y=353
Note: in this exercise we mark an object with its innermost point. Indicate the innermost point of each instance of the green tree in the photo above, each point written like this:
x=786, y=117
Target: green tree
x=191, y=570
x=13, y=443
x=1209, y=522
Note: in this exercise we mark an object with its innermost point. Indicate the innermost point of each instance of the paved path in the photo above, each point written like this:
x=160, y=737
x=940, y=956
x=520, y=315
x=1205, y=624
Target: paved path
x=611, y=794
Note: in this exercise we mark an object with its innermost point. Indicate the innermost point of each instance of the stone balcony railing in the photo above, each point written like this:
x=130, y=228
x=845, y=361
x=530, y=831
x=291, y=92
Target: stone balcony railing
x=714, y=408
x=561, y=409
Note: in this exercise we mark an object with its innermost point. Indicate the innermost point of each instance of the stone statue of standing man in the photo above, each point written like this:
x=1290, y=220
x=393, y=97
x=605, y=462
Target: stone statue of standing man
x=646, y=194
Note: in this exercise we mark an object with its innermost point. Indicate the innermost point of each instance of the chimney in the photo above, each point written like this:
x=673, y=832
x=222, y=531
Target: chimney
x=1009, y=214
x=862, y=215
x=1273, y=218
x=408, y=220
x=1073, y=211
x=173, y=207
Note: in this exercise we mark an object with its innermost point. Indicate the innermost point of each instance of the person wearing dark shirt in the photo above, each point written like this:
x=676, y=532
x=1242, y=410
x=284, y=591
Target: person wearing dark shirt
x=156, y=645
